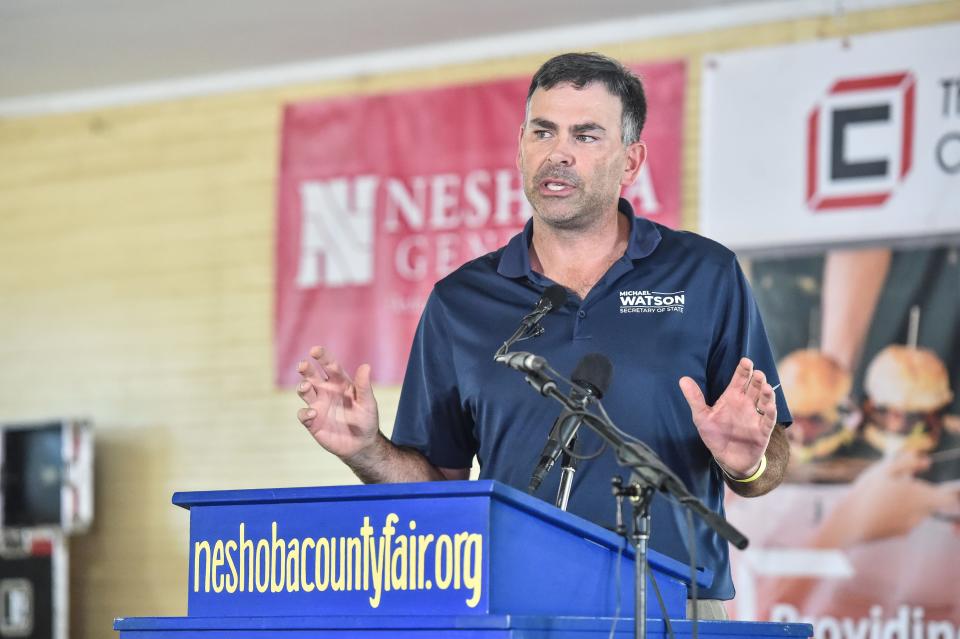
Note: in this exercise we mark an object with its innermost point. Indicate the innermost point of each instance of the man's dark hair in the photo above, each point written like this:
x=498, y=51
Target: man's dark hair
x=581, y=69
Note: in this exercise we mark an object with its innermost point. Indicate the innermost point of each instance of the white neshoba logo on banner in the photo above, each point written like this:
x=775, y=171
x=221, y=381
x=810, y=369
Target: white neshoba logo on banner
x=860, y=141
x=652, y=302
x=338, y=225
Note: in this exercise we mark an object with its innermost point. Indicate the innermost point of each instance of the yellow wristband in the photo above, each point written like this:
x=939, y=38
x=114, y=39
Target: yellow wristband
x=754, y=477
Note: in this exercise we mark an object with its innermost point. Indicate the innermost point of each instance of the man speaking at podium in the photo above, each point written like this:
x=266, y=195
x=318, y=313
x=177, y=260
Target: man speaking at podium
x=694, y=377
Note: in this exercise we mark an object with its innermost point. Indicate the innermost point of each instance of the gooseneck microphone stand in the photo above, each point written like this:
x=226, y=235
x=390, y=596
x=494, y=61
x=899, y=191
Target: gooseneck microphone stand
x=553, y=298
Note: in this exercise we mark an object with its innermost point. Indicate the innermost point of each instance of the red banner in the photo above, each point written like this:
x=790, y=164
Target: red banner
x=381, y=196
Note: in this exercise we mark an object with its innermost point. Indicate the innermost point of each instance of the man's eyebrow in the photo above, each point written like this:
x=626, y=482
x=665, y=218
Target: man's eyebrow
x=585, y=127
x=543, y=123
x=576, y=129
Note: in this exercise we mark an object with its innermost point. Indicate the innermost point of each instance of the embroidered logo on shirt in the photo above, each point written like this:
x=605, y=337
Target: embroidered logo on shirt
x=652, y=302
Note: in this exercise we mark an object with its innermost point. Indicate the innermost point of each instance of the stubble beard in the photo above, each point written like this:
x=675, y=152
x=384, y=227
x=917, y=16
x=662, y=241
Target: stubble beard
x=573, y=213
x=568, y=215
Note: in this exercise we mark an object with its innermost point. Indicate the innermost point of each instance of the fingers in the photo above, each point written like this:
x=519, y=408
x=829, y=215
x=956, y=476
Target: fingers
x=766, y=403
x=313, y=378
x=328, y=367
x=758, y=383
x=321, y=367
x=363, y=388
x=310, y=370
x=307, y=391
x=766, y=394
x=693, y=395
x=742, y=376
x=306, y=416
x=764, y=399
x=322, y=374
x=753, y=383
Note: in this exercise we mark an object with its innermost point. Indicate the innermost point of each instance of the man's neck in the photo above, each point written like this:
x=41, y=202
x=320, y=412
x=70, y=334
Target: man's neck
x=577, y=259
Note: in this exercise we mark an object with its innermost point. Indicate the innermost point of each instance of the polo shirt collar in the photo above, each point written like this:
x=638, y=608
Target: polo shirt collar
x=644, y=238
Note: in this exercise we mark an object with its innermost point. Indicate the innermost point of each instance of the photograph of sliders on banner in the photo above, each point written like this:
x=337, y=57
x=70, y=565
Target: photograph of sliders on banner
x=834, y=170
x=869, y=358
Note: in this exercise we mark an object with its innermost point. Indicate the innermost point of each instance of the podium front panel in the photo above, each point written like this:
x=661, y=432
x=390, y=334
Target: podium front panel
x=342, y=557
x=440, y=548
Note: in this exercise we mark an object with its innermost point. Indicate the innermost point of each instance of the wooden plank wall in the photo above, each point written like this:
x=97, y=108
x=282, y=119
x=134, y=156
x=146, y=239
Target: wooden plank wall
x=136, y=275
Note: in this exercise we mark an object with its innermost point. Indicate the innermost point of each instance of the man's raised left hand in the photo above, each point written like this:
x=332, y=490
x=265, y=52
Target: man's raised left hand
x=737, y=428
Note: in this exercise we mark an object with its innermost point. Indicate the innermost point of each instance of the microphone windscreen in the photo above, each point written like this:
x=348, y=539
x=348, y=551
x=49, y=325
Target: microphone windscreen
x=556, y=295
x=593, y=372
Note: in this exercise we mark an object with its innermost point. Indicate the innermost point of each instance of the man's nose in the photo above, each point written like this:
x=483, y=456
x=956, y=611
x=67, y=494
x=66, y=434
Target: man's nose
x=561, y=153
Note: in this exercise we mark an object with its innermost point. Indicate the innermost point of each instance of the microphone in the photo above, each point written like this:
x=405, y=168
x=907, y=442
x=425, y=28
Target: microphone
x=553, y=297
x=591, y=378
x=523, y=362
x=592, y=373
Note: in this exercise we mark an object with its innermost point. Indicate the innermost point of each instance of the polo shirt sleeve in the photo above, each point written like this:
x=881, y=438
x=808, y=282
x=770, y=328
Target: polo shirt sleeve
x=740, y=333
x=431, y=417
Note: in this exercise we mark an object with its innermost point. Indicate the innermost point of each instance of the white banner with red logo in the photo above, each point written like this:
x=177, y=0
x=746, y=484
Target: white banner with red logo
x=381, y=196
x=833, y=141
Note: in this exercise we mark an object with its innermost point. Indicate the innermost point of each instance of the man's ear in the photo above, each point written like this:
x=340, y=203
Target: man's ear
x=636, y=156
x=519, y=140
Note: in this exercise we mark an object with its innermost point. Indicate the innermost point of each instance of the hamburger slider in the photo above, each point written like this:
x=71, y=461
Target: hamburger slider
x=816, y=388
x=907, y=388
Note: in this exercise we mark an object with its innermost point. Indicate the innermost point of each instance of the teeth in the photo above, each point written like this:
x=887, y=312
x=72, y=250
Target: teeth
x=553, y=186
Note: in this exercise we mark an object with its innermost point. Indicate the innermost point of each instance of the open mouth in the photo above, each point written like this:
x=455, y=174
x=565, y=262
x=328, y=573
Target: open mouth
x=552, y=186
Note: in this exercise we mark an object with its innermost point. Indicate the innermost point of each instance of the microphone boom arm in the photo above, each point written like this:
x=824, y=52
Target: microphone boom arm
x=650, y=469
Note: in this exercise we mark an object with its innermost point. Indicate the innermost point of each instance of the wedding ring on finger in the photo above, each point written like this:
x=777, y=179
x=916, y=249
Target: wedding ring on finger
x=756, y=406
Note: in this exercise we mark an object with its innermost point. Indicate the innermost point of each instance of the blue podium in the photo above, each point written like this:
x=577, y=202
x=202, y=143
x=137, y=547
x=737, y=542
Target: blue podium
x=453, y=560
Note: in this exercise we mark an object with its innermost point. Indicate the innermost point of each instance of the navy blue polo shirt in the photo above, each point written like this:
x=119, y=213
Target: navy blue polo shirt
x=675, y=304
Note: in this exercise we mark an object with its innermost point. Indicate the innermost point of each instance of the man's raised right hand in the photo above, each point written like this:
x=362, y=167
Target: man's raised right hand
x=341, y=413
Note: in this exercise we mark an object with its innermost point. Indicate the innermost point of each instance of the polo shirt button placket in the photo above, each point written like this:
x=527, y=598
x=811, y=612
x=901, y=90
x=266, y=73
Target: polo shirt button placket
x=581, y=331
